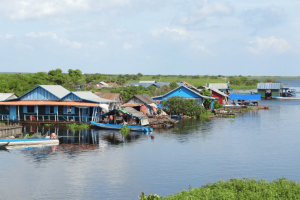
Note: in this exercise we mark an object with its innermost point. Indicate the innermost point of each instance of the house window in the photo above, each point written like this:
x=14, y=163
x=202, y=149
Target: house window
x=51, y=109
x=69, y=110
x=30, y=109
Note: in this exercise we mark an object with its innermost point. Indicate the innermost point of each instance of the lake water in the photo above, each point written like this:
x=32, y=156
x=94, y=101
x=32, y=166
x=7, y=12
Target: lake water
x=97, y=164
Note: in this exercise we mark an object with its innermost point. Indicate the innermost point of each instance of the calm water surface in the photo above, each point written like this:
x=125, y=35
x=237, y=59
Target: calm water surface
x=97, y=164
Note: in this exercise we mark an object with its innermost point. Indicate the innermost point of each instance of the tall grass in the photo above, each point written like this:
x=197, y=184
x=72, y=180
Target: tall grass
x=237, y=189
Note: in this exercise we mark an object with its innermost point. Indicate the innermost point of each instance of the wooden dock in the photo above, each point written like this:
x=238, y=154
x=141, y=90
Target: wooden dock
x=12, y=130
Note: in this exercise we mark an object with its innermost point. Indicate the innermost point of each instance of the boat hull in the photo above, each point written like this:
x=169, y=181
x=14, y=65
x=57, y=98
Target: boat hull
x=291, y=98
x=15, y=142
x=118, y=127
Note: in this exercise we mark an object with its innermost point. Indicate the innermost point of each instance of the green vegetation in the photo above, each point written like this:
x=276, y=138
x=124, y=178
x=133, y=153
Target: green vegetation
x=125, y=130
x=238, y=189
x=77, y=127
x=242, y=82
x=190, y=107
x=270, y=80
x=207, y=102
x=128, y=92
x=27, y=136
x=49, y=124
x=247, y=109
x=229, y=116
x=1, y=123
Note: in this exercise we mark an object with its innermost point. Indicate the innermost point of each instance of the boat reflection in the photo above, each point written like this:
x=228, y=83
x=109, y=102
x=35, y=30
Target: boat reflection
x=82, y=141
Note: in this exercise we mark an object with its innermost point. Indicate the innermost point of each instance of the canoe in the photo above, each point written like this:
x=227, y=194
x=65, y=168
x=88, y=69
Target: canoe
x=13, y=142
x=118, y=127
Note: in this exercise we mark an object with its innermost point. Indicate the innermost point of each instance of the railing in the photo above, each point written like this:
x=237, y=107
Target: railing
x=55, y=118
x=9, y=118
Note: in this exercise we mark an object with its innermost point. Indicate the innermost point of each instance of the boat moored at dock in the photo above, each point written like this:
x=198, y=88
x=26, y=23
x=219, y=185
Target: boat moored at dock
x=119, y=126
x=14, y=142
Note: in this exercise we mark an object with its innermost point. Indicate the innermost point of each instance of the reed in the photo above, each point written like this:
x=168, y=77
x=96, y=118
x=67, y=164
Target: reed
x=77, y=127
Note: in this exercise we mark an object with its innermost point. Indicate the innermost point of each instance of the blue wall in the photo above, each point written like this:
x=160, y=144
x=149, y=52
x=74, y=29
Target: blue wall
x=71, y=97
x=39, y=93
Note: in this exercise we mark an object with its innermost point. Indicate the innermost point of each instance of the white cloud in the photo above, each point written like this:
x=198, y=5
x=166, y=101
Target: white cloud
x=31, y=34
x=176, y=34
x=279, y=45
x=36, y=9
x=199, y=11
x=74, y=45
x=127, y=46
x=101, y=43
x=201, y=48
x=8, y=36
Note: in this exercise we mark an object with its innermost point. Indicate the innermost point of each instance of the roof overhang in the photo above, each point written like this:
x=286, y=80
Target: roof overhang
x=50, y=103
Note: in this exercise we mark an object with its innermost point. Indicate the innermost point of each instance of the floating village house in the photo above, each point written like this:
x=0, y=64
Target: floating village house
x=184, y=92
x=7, y=96
x=52, y=103
x=141, y=102
x=222, y=97
x=219, y=86
x=268, y=90
x=117, y=97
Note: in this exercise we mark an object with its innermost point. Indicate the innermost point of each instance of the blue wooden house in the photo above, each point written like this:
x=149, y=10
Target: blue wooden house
x=183, y=92
x=52, y=103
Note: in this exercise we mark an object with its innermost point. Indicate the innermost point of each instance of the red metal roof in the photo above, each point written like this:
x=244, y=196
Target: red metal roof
x=55, y=103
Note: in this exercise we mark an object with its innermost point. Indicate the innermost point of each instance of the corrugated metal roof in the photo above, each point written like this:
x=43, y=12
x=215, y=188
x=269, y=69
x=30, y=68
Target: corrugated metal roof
x=162, y=83
x=144, y=98
x=136, y=113
x=86, y=95
x=200, y=95
x=268, y=86
x=147, y=81
x=143, y=84
x=52, y=103
x=57, y=90
x=131, y=105
x=5, y=96
x=106, y=95
x=215, y=90
x=218, y=85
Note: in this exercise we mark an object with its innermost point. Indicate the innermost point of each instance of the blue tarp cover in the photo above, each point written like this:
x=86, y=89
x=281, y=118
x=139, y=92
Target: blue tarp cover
x=246, y=96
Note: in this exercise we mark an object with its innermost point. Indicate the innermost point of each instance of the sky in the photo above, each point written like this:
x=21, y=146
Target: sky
x=169, y=37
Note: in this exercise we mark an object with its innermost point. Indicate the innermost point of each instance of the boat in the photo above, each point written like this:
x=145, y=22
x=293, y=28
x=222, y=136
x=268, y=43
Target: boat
x=119, y=126
x=289, y=92
x=290, y=98
x=14, y=142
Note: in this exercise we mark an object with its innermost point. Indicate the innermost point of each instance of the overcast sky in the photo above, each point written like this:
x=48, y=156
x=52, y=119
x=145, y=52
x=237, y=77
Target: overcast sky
x=231, y=37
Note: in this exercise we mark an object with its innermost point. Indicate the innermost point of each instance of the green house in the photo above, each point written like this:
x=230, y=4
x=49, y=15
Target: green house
x=268, y=90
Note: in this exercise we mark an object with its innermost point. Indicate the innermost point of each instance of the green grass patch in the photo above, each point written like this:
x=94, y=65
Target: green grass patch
x=247, y=109
x=49, y=124
x=229, y=116
x=236, y=189
x=77, y=127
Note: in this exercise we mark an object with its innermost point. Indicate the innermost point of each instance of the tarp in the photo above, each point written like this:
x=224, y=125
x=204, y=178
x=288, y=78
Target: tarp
x=104, y=107
x=246, y=96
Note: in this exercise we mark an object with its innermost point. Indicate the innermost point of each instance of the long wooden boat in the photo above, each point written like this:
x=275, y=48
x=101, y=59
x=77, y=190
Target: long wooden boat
x=13, y=142
x=118, y=127
x=290, y=98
